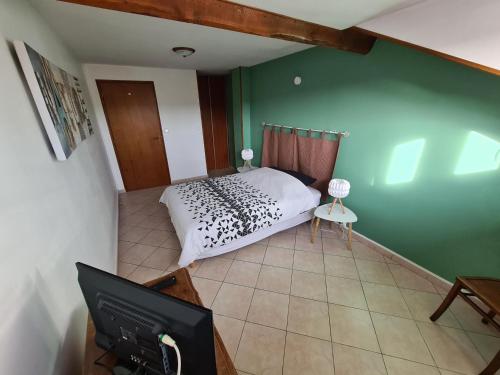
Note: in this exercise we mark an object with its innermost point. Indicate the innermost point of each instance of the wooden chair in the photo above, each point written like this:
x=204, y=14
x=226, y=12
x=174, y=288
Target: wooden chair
x=487, y=290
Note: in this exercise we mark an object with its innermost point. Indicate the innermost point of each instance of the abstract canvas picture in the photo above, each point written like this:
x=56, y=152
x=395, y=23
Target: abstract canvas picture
x=58, y=97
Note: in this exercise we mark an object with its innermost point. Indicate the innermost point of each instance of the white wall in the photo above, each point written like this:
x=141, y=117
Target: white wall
x=463, y=28
x=52, y=214
x=178, y=104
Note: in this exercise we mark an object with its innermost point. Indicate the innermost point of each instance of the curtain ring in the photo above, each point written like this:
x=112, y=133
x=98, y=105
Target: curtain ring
x=323, y=135
x=309, y=133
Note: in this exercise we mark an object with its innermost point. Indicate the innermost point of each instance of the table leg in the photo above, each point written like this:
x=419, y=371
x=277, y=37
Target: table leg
x=491, y=314
x=349, y=238
x=315, y=229
x=447, y=301
x=313, y=220
x=493, y=367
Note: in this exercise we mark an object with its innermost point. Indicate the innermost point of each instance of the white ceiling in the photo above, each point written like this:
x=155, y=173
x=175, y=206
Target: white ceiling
x=469, y=29
x=110, y=37
x=339, y=14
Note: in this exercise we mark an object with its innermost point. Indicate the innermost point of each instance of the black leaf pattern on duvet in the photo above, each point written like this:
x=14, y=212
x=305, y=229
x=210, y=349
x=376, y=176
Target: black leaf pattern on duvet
x=227, y=208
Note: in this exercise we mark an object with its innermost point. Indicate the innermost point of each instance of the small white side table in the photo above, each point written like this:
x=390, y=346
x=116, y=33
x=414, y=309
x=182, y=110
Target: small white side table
x=337, y=216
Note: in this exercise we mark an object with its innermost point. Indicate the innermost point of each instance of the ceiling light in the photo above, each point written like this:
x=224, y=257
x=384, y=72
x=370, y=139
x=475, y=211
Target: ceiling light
x=183, y=51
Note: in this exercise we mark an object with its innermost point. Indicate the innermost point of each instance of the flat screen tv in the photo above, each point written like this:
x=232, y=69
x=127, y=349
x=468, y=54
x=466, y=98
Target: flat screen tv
x=130, y=320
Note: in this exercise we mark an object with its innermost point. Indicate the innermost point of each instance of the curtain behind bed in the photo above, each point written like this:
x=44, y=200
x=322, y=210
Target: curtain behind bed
x=314, y=157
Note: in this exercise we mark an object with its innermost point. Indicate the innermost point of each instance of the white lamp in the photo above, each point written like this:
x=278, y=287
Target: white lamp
x=247, y=155
x=338, y=189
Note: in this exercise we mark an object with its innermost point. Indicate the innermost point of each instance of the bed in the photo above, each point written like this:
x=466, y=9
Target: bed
x=218, y=215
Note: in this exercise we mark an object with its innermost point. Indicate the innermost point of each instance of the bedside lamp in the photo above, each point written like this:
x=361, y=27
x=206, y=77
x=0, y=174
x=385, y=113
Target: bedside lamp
x=247, y=155
x=338, y=189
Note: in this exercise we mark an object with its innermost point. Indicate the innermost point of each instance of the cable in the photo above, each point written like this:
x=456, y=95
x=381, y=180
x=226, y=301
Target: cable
x=97, y=363
x=169, y=341
x=178, y=359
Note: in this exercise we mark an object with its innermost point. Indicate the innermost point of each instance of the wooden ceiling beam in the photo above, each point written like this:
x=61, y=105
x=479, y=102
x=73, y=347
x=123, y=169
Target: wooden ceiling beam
x=226, y=15
x=429, y=51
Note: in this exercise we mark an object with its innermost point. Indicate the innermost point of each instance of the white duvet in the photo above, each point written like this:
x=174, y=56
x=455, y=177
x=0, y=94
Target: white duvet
x=211, y=213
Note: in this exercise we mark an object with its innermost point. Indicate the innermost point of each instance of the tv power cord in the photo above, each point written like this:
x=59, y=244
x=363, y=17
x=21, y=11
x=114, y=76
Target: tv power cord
x=169, y=341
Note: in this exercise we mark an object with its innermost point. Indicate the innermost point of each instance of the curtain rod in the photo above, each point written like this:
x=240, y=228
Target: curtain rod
x=343, y=133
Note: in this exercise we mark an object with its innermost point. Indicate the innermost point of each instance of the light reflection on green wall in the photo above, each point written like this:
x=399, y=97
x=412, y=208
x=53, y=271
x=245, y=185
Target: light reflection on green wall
x=404, y=162
x=387, y=98
x=480, y=154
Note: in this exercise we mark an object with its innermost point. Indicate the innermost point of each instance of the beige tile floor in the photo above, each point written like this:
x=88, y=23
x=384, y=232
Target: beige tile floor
x=286, y=306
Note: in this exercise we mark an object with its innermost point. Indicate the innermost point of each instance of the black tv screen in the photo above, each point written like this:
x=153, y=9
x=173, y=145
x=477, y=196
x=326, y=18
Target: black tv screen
x=129, y=318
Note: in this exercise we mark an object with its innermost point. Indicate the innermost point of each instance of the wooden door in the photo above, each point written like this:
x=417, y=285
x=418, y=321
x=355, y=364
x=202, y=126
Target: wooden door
x=206, y=121
x=212, y=94
x=134, y=123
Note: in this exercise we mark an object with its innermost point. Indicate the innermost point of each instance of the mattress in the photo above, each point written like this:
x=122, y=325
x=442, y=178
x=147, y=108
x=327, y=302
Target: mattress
x=221, y=214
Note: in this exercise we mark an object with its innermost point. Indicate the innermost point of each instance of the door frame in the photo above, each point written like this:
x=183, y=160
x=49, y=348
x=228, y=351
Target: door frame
x=164, y=153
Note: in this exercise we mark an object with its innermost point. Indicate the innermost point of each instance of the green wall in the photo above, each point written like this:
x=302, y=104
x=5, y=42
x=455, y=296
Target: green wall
x=246, y=107
x=230, y=118
x=240, y=111
x=421, y=183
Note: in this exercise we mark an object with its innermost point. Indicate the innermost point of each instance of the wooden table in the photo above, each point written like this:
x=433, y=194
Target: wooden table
x=487, y=290
x=183, y=289
x=337, y=215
